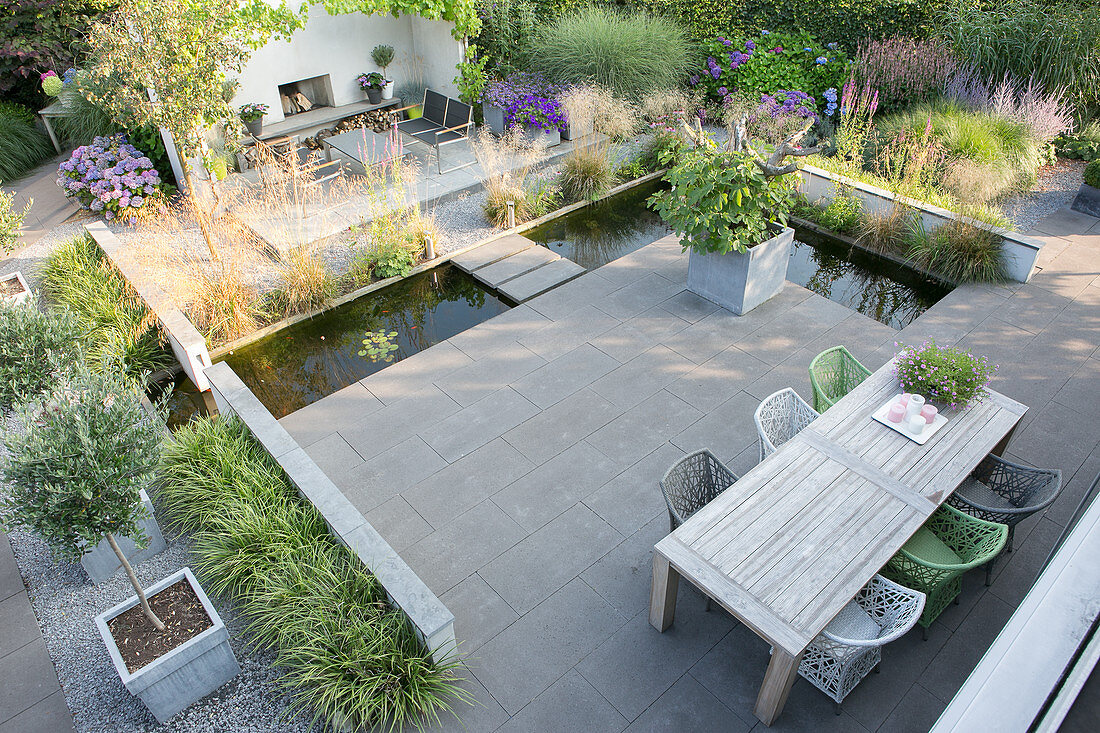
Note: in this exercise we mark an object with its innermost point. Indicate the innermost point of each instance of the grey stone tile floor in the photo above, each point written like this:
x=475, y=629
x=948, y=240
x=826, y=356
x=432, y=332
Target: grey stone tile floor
x=516, y=467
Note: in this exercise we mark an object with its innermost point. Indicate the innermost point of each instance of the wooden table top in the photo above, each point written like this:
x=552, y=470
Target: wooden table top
x=796, y=537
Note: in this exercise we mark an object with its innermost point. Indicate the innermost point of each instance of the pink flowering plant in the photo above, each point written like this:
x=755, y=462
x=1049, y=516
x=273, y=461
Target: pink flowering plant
x=945, y=374
x=110, y=176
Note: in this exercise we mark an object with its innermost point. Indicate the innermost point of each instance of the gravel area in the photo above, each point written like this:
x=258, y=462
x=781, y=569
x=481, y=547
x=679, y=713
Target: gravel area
x=1056, y=187
x=66, y=602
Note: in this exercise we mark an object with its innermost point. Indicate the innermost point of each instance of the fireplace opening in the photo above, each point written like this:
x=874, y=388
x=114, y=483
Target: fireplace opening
x=305, y=94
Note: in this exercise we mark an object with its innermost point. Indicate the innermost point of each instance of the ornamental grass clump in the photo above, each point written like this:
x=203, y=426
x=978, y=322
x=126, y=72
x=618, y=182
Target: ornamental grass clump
x=348, y=658
x=945, y=374
x=905, y=70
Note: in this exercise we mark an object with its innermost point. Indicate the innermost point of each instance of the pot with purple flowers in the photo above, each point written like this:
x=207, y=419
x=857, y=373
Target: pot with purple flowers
x=372, y=83
x=252, y=115
x=529, y=101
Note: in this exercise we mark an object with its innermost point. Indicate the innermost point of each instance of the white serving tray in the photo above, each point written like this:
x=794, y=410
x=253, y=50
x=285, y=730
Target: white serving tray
x=928, y=432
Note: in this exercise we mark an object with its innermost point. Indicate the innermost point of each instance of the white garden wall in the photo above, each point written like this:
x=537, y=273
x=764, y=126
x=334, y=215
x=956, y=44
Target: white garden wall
x=340, y=46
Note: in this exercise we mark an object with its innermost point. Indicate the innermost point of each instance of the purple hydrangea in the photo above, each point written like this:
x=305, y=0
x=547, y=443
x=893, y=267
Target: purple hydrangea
x=110, y=175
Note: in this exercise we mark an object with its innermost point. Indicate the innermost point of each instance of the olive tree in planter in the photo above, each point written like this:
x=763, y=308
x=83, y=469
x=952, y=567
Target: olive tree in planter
x=730, y=206
x=77, y=466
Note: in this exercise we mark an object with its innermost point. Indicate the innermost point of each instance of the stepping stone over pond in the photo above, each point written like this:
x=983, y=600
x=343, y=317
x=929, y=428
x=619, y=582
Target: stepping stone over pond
x=540, y=280
x=521, y=263
x=491, y=252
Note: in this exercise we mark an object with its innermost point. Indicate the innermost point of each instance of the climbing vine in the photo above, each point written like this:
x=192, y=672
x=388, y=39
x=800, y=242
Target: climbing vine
x=463, y=13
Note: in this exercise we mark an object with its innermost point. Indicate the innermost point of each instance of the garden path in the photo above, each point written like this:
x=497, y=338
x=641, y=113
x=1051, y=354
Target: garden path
x=515, y=467
x=50, y=207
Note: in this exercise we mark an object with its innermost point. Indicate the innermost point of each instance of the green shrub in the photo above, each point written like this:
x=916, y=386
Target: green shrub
x=629, y=53
x=387, y=258
x=843, y=213
x=1057, y=42
x=121, y=332
x=507, y=27
x=1083, y=145
x=1092, y=174
x=16, y=111
x=344, y=652
x=34, y=347
x=958, y=251
x=22, y=146
x=11, y=219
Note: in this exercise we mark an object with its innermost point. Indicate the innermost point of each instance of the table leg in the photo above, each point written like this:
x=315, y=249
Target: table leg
x=50, y=132
x=782, y=670
x=662, y=598
x=999, y=449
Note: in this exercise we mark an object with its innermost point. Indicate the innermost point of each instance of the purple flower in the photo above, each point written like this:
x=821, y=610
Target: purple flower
x=822, y=60
x=722, y=91
x=750, y=46
x=693, y=79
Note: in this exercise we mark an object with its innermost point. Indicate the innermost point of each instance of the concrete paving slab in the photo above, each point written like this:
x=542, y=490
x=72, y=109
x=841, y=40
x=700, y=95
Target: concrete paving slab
x=491, y=252
x=539, y=281
x=501, y=271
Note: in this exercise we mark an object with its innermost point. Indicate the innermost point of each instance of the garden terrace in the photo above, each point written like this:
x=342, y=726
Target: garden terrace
x=515, y=467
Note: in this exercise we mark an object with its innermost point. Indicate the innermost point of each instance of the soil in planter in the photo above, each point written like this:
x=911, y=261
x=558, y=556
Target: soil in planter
x=138, y=640
x=10, y=287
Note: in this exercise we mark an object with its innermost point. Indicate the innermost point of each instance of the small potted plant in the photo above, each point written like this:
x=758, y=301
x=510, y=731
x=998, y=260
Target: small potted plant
x=1088, y=197
x=383, y=56
x=253, y=117
x=951, y=376
x=372, y=83
x=76, y=471
x=730, y=208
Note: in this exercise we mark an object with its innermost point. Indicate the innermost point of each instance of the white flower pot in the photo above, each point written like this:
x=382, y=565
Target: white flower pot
x=740, y=281
x=387, y=90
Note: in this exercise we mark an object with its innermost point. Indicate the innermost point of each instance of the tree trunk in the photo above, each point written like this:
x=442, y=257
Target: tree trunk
x=200, y=212
x=134, y=582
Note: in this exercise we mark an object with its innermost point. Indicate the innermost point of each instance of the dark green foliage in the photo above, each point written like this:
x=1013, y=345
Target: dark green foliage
x=628, y=53
x=1082, y=145
x=846, y=23
x=75, y=471
x=1056, y=42
x=34, y=347
x=506, y=30
x=843, y=214
x=22, y=146
x=120, y=331
x=38, y=36
x=16, y=111
x=346, y=654
x=1092, y=174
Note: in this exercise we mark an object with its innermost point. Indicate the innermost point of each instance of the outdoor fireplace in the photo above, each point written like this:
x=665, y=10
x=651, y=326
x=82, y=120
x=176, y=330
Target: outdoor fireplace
x=305, y=94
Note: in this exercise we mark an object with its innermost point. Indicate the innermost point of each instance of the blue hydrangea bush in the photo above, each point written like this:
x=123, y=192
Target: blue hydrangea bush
x=110, y=176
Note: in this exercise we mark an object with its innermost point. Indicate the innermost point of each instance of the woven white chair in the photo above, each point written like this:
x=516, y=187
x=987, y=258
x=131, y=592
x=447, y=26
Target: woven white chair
x=779, y=418
x=851, y=645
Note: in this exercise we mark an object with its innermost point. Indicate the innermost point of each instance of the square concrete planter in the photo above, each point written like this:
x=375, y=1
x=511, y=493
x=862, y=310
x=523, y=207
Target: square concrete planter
x=14, y=281
x=1087, y=200
x=494, y=118
x=184, y=675
x=101, y=562
x=740, y=281
x=536, y=134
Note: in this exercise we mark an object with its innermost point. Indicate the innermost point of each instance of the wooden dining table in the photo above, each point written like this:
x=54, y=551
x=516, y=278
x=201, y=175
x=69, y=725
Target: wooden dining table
x=792, y=541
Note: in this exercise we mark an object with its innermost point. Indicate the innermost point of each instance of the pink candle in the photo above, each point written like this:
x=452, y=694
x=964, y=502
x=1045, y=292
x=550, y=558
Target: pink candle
x=928, y=412
x=897, y=412
x=904, y=400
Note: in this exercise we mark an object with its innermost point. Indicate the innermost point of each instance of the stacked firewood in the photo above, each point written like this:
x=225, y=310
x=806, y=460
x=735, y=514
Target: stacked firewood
x=378, y=120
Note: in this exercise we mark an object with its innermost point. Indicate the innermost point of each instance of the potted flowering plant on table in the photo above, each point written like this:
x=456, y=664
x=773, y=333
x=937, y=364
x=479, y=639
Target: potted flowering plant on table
x=947, y=375
x=730, y=206
x=253, y=117
x=87, y=451
x=372, y=83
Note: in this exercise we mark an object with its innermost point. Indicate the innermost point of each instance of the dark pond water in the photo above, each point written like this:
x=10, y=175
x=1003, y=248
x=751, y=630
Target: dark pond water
x=314, y=358
x=874, y=286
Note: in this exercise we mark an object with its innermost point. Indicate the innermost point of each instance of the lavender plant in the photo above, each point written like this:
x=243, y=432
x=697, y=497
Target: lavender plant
x=944, y=374
x=905, y=70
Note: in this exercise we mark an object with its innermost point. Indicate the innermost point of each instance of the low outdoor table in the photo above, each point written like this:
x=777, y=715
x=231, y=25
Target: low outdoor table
x=366, y=147
x=794, y=540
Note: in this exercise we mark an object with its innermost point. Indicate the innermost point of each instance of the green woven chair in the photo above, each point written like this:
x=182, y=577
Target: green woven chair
x=833, y=374
x=936, y=556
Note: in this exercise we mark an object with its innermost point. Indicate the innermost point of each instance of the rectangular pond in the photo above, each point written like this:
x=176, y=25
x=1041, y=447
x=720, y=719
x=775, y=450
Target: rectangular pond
x=319, y=356
x=874, y=286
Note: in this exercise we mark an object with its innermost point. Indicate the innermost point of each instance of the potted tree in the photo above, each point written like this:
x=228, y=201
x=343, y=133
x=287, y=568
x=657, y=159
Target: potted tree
x=383, y=56
x=730, y=206
x=372, y=83
x=87, y=450
x=1087, y=200
x=252, y=115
